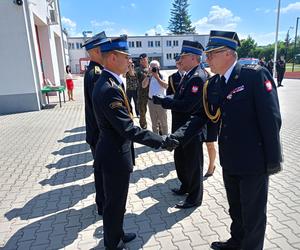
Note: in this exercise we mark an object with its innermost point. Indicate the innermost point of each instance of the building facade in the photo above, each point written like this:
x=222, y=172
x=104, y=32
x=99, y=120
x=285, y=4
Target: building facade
x=32, y=51
x=162, y=48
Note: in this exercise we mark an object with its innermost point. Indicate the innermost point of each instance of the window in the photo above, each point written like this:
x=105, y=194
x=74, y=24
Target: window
x=71, y=46
x=131, y=44
x=77, y=45
x=80, y=45
x=150, y=43
x=169, y=43
x=175, y=43
x=157, y=43
x=175, y=55
x=169, y=56
x=138, y=44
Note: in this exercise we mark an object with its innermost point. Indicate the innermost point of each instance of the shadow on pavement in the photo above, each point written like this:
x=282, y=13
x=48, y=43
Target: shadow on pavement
x=142, y=150
x=157, y=218
x=72, y=160
x=52, y=201
x=73, y=138
x=153, y=172
x=72, y=149
x=69, y=175
x=54, y=232
x=76, y=130
x=49, y=106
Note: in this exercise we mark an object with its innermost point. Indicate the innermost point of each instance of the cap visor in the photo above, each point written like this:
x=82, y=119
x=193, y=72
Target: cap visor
x=210, y=49
x=123, y=52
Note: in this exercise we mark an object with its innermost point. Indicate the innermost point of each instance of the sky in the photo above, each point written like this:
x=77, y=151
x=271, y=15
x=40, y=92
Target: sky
x=255, y=18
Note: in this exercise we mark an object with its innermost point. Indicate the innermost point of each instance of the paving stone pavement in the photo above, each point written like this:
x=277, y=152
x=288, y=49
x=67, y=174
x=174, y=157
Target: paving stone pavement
x=47, y=192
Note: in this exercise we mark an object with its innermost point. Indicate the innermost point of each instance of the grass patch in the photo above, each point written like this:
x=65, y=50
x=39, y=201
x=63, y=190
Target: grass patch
x=290, y=65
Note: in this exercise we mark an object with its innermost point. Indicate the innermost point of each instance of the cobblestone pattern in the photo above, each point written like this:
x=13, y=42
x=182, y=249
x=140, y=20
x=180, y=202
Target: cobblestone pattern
x=47, y=191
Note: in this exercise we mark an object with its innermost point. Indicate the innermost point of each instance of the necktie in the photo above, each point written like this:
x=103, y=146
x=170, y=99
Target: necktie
x=122, y=86
x=223, y=79
x=223, y=84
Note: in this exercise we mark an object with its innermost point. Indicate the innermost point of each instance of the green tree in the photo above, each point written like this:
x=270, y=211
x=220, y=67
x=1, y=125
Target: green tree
x=180, y=22
x=248, y=47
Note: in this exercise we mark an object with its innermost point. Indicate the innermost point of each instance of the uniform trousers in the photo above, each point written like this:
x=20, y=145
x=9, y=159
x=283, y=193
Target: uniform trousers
x=98, y=186
x=115, y=191
x=189, y=168
x=280, y=75
x=247, y=197
x=132, y=94
x=158, y=117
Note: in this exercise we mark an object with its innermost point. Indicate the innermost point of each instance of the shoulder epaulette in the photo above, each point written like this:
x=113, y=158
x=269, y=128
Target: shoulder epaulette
x=97, y=70
x=111, y=81
x=252, y=66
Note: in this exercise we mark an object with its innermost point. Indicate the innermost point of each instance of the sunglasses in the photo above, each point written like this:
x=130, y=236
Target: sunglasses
x=209, y=55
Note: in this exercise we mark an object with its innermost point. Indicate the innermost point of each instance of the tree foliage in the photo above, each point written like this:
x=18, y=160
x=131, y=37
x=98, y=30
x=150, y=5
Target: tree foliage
x=249, y=48
x=180, y=22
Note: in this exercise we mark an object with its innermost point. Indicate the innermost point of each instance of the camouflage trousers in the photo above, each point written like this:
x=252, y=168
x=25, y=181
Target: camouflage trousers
x=142, y=104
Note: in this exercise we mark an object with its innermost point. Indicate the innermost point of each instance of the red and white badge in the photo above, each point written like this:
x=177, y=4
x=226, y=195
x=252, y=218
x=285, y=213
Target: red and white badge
x=268, y=85
x=195, y=89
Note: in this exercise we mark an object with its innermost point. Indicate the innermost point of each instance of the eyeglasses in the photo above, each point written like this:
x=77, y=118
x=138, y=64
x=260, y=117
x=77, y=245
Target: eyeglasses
x=210, y=55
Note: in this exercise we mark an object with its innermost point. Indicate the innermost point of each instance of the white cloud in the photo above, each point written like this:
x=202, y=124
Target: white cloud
x=158, y=29
x=218, y=18
x=263, y=10
x=95, y=23
x=68, y=22
x=291, y=7
x=264, y=38
x=70, y=26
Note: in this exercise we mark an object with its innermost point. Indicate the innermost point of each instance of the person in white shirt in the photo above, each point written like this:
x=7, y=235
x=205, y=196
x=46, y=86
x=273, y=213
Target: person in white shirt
x=157, y=86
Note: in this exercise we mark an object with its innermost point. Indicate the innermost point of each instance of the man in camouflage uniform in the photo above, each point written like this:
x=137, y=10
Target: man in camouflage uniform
x=142, y=93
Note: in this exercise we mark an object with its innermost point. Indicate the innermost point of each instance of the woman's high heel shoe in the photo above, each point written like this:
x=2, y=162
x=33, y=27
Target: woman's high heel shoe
x=209, y=174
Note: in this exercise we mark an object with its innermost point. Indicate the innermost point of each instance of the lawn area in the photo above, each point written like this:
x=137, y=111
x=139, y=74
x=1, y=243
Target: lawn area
x=290, y=65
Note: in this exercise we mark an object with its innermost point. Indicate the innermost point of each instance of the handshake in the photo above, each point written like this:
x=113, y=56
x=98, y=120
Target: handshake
x=169, y=142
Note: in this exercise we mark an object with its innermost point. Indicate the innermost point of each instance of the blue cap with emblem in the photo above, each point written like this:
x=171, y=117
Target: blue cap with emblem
x=118, y=44
x=91, y=43
x=222, y=39
x=191, y=47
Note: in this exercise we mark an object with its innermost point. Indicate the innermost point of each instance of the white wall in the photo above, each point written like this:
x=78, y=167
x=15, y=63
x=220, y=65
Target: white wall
x=76, y=53
x=160, y=52
x=15, y=65
x=20, y=68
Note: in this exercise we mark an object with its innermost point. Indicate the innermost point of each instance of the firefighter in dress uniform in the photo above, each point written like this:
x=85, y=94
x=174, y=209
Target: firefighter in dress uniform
x=92, y=131
x=246, y=103
x=114, y=151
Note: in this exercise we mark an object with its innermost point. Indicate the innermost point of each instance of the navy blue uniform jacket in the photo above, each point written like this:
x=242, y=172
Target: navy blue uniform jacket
x=114, y=151
x=249, y=136
x=90, y=78
x=186, y=100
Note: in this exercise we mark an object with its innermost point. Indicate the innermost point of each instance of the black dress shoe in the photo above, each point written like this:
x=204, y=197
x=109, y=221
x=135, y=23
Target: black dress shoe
x=178, y=191
x=209, y=174
x=224, y=245
x=186, y=204
x=128, y=237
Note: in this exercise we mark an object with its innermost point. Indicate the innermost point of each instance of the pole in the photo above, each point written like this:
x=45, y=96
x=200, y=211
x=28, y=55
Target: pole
x=295, y=44
x=287, y=42
x=276, y=39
